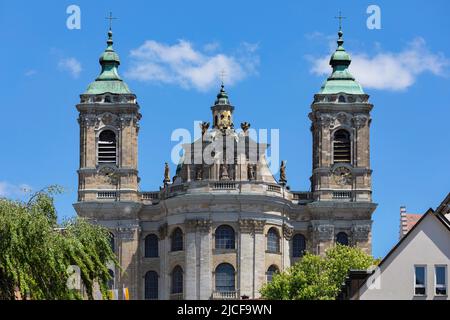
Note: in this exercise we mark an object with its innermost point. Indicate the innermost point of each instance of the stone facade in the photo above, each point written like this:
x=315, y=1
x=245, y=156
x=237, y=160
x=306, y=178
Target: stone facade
x=236, y=189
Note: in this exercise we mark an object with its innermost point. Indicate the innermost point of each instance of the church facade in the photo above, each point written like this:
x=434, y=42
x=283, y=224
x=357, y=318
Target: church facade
x=222, y=226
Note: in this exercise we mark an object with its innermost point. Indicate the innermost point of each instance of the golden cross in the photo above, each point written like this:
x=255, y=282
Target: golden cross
x=110, y=18
x=340, y=17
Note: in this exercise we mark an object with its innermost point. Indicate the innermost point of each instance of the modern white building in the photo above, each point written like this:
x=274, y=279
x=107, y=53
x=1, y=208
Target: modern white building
x=417, y=268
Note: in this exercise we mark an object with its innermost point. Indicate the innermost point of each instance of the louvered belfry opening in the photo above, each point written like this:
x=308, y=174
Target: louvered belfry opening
x=341, y=147
x=107, y=147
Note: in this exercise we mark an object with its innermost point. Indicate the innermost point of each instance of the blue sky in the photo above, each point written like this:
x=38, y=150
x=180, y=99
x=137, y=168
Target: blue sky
x=275, y=51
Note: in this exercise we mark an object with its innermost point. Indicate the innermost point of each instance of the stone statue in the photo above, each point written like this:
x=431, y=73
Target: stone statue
x=245, y=126
x=251, y=172
x=199, y=173
x=166, y=174
x=224, y=173
x=204, y=126
x=283, y=179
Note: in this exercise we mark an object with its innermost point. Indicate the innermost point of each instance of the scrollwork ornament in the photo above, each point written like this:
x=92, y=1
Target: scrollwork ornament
x=342, y=176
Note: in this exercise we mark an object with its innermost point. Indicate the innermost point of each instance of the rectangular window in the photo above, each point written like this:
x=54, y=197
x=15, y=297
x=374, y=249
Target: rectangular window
x=420, y=280
x=440, y=276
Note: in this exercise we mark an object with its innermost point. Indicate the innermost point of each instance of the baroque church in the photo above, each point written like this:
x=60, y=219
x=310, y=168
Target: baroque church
x=223, y=225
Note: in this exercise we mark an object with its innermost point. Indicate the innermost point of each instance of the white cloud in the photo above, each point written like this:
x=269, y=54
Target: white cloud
x=30, y=73
x=211, y=47
x=390, y=70
x=71, y=65
x=182, y=65
x=13, y=191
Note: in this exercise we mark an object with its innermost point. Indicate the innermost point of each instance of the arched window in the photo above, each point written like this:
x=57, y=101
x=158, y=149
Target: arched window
x=273, y=241
x=270, y=272
x=341, y=99
x=107, y=147
x=151, y=285
x=225, y=275
x=342, y=238
x=298, y=245
x=177, y=280
x=151, y=246
x=112, y=242
x=177, y=240
x=110, y=283
x=341, y=147
x=224, y=236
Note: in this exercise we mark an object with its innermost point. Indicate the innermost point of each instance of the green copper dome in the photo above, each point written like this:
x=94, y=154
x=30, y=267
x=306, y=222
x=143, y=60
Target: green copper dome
x=340, y=80
x=109, y=79
x=222, y=97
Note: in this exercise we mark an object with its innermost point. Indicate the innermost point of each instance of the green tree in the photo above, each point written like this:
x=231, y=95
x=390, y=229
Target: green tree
x=317, y=277
x=35, y=252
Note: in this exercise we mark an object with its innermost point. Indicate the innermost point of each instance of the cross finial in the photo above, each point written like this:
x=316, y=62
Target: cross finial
x=222, y=75
x=340, y=17
x=110, y=18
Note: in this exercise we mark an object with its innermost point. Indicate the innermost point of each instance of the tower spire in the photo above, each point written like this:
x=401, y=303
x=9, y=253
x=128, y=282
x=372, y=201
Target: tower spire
x=341, y=80
x=109, y=79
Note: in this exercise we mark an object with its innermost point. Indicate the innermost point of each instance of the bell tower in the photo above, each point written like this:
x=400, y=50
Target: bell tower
x=341, y=180
x=108, y=182
x=109, y=125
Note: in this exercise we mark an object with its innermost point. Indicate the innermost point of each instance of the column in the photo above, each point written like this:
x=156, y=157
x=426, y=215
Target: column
x=288, y=232
x=259, y=274
x=190, y=272
x=205, y=262
x=323, y=236
x=246, y=260
x=163, y=284
x=128, y=239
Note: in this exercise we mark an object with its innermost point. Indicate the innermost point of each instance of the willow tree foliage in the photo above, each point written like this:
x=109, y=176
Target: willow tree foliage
x=36, y=252
x=317, y=277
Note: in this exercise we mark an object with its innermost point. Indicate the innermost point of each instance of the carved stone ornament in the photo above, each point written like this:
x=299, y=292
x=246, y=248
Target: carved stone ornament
x=201, y=225
x=343, y=118
x=204, y=225
x=252, y=226
x=162, y=230
x=288, y=231
x=360, y=121
x=342, y=176
x=326, y=120
x=127, y=232
x=246, y=225
x=88, y=120
x=325, y=231
x=109, y=174
x=108, y=118
x=361, y=232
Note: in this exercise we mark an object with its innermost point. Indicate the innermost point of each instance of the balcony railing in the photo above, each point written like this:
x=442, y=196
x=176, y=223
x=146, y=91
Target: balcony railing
x=150, y=196
x=224, y=186
x=107, y=195
x=195, y=187
x=225, y=295
x=274, y=188
x=302, y=195
x=342, y=195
